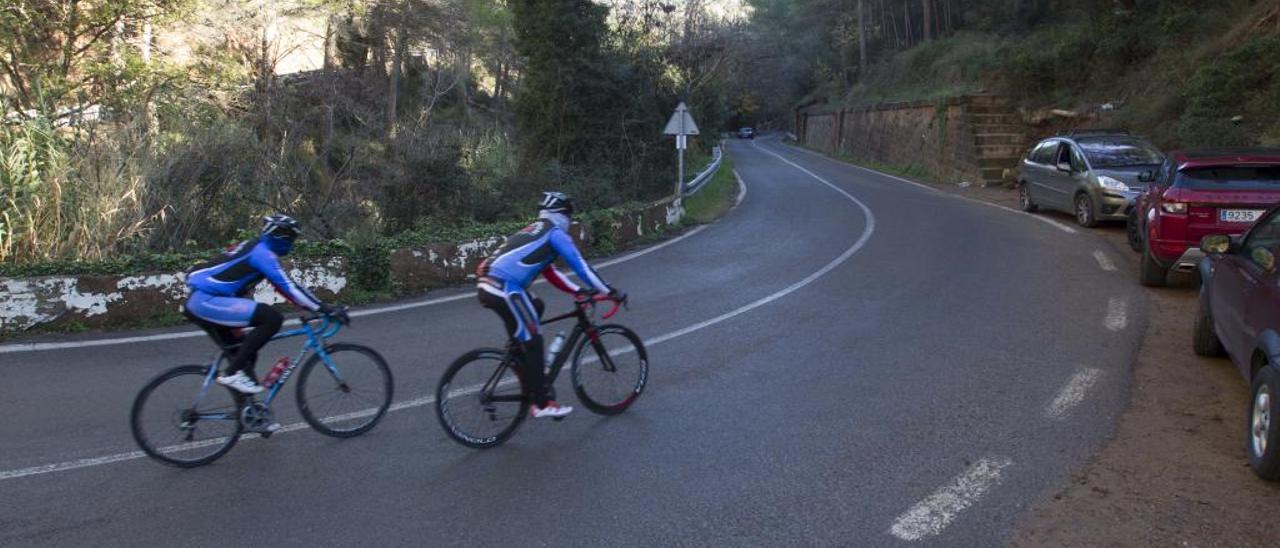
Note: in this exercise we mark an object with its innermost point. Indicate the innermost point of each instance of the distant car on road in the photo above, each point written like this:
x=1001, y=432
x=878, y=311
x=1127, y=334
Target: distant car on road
x=746, y=133
x=1239, y=316
x=1197, y=193
x=1092, y=175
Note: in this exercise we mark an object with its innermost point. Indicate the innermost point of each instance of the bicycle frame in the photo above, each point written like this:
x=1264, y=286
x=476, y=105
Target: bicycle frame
x=315, y=344
x=584, y=327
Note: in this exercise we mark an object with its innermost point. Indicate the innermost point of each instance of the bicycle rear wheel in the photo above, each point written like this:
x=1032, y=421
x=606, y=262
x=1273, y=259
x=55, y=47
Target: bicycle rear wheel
x=610, y=372
x=480, y=400
x=179, y=421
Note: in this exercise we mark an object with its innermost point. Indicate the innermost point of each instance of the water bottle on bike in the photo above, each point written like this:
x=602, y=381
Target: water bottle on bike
x=276, y=370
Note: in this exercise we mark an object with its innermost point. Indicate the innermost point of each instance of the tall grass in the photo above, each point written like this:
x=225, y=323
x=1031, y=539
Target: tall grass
x=66, y=197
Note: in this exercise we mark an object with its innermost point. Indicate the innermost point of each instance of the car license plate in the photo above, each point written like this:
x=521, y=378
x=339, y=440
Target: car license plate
x=1239, y=215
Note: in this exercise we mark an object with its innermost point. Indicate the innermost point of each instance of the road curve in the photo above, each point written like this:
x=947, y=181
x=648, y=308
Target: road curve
x=845, y=359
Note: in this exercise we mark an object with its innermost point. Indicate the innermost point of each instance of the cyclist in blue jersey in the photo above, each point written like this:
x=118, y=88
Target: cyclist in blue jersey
x=222, y=302
x=505, y=277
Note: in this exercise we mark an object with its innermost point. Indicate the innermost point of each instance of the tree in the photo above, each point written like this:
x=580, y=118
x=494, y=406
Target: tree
x=565, y=89
x=51, y=51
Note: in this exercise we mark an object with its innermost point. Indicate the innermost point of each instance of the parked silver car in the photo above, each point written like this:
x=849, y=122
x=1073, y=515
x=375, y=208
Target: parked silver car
x=1093, y=175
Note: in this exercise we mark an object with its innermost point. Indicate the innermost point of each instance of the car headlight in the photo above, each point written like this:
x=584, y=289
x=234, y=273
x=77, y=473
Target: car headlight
x=1176, y=208
x=1112, y=184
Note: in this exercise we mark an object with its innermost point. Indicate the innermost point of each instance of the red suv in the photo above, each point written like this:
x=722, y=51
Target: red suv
x=1196, y=193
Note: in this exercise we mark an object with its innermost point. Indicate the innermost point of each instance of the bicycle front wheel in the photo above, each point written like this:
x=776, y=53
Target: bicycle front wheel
x=480, y=400
x=610, y=370
x=347, y=394
x=179, y=420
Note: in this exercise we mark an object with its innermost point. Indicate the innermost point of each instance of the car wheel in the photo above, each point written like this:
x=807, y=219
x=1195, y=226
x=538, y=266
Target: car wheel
x=1205, y=340
x=1150, y=273
x=1262, y=441
x=1134, y=231
x=1024, y=198
x=1084, y=211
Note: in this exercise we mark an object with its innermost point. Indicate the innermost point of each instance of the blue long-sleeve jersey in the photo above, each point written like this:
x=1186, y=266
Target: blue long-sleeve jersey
x=236, y=273
x=530, y=251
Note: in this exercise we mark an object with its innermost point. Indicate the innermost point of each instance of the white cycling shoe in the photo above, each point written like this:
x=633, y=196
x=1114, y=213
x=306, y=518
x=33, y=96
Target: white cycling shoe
x=552, y=410
x=240, y=383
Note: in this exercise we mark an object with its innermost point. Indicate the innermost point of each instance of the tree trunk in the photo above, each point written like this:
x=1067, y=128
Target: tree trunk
x=862, y=43
x=906, y=21
x=926, y=19
x=393, y=83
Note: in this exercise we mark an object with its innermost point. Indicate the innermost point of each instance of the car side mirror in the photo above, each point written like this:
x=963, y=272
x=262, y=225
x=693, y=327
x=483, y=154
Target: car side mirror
x=1215, y=244
x=1064, y=167
x=1147, y=176
x=1264, y=258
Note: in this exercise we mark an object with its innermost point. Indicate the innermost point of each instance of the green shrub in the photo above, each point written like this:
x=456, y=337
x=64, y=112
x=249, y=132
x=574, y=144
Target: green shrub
x=1244, y=82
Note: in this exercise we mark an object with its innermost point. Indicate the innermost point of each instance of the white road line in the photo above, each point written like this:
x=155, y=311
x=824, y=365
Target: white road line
x=40, y=347
x=1104, y=262
x=742, y=189
x=1073, y=392
x=931, y=515
x=428, y=400
x=1117, y=314
x=1058, y=225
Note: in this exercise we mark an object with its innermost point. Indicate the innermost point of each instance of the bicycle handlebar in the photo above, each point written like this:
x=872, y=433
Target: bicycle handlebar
x=617, y=303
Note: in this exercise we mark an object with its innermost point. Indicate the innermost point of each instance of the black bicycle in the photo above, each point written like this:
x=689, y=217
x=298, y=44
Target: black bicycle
x=183, y=418
x=482, y=397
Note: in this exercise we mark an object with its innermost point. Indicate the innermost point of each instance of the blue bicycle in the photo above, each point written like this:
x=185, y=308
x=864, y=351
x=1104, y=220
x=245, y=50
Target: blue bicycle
x=184, y=418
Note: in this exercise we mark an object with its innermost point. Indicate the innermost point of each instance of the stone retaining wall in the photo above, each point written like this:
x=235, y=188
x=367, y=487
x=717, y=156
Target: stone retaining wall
x=103, y=301
x=933, y=135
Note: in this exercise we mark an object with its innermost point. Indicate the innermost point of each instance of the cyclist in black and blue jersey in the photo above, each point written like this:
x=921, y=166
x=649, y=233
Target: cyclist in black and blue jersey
x=505, y=277
x=222, y=302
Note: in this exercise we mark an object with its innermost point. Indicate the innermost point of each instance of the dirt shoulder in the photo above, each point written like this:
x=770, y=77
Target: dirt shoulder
x=1174, y=473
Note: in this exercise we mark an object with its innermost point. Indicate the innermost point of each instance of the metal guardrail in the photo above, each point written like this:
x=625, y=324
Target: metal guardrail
x=693, y=186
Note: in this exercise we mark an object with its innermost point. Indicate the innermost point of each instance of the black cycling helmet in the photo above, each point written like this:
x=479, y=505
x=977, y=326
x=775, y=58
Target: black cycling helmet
x=556, y=202
x=281, y=226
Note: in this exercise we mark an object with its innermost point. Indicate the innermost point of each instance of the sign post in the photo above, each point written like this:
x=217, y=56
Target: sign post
x=681, y=125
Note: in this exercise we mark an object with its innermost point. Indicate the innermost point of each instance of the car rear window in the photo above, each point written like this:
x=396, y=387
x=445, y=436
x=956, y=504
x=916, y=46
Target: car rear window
x=1231, y=178
x=1108, y=152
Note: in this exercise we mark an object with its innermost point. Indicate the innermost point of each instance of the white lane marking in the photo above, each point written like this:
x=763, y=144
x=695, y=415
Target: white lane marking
x=1058, y=225
x=1073, y=392
x=1104, y=262
x=428, y=400
x=1117, y=314
x=40, y=347
x=742, y=189
x=931, y=515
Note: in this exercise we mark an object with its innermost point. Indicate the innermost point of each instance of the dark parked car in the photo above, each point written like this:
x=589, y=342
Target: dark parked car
x=1094, y=175
x=1239, y=316
x=746, y=133
x=1197, y=193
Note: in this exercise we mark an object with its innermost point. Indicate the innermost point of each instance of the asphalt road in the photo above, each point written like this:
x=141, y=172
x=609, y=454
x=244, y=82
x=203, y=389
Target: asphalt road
x=887, y=365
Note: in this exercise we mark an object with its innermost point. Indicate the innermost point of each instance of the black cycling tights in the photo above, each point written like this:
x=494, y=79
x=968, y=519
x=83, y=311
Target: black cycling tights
x=266, y=322
x=534, y=361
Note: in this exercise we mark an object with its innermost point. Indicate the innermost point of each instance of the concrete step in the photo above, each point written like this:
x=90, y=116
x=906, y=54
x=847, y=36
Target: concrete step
x=999, y=162
x=1002, y=118
x=998, y=128
x=988, y=109
x=985, y=100
x=1000, y=151
x=1012, y=139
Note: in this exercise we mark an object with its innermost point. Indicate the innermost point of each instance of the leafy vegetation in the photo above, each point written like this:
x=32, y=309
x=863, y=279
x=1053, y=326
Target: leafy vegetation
x=1183, y=72
x=141, y=133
